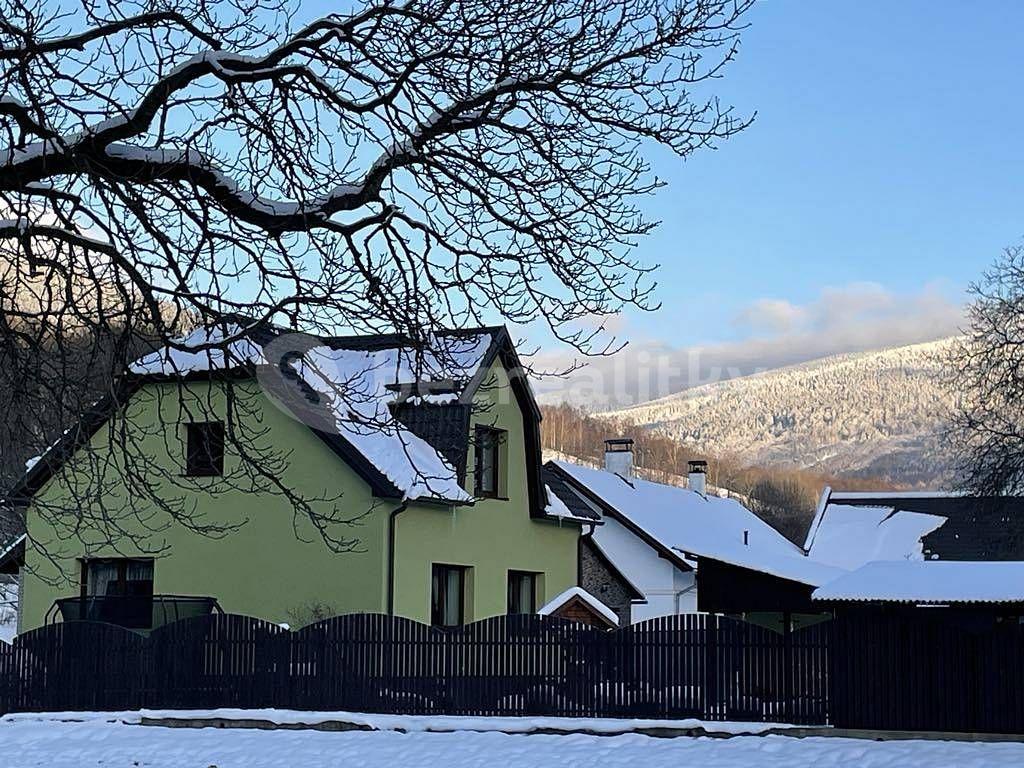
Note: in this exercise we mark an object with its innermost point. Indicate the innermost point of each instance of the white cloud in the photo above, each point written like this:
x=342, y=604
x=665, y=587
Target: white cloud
x=851, y=318
x=770, y=315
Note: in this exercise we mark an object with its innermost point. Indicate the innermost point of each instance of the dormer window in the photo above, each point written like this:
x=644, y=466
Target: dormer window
x=205, y=449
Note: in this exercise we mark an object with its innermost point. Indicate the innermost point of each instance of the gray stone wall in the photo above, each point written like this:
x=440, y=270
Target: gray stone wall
x=603, y=583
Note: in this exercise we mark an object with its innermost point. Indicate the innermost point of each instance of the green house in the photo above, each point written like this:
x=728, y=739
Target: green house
x=430, y=470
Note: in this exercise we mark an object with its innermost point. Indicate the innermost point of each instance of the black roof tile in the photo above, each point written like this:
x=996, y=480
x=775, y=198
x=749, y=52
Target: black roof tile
x=555, y=481
x=444, y=426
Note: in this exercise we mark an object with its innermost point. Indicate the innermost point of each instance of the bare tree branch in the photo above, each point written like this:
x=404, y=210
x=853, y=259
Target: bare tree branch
x=986, y=377
x=33, y=47
x=397, y=168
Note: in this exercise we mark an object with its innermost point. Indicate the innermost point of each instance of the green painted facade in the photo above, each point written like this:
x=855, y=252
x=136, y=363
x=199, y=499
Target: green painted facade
x=491, y=537
x=276, y=568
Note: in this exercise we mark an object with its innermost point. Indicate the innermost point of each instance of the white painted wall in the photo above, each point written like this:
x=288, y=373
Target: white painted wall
x=668, y=589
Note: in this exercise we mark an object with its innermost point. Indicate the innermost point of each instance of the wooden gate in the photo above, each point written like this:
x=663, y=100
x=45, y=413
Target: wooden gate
x=928, y=673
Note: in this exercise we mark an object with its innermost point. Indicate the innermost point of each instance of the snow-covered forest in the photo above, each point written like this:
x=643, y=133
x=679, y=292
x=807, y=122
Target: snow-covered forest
x=868, y=414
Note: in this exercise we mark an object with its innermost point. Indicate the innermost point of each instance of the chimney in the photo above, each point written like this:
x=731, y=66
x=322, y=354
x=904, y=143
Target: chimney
x=618, y=456
x=697, y=477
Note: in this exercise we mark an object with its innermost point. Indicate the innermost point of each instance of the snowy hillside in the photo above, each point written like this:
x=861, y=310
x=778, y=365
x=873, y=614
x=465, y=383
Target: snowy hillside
x=872, y=413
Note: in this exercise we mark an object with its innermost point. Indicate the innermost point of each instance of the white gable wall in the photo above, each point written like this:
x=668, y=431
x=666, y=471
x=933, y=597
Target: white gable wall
x=686, y=590
x=667, y=588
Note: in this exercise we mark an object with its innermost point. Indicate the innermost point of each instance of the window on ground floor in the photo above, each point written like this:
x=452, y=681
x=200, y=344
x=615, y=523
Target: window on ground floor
x=117, y=577
x=118, y=591
x=448, y=595
x=522, y=592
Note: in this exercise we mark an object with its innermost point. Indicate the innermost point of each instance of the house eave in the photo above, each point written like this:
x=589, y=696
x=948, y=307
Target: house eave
x=661, y=549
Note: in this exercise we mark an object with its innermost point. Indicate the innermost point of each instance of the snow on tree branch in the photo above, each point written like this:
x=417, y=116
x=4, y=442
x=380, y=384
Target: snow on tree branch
x=399, y=167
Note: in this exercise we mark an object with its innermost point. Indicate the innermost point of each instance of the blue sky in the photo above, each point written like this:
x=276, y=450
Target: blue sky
x=886, y=148
x=884, y=172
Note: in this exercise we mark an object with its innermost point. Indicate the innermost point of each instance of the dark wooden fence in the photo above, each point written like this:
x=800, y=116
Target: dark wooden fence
x=869, y=671
x=700, y=666
x=931, y=672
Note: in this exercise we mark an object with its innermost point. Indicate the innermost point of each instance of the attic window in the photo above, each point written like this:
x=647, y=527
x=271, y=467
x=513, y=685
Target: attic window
x=205, y=449
x=488, y=462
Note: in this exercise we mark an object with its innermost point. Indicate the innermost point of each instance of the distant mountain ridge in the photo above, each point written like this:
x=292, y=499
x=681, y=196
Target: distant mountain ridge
x=877, y=413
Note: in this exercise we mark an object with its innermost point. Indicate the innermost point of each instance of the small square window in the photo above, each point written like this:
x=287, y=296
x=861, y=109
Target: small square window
x=488, y=461
x=205, y=449
x=522, y=592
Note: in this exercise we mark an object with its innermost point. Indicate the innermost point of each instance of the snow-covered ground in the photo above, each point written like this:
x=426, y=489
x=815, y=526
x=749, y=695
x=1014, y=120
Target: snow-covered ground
x=408, y=723
x=27, y=742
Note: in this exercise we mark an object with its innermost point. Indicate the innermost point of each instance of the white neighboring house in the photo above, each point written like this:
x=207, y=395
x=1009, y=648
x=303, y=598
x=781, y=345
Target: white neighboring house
x=654, y=534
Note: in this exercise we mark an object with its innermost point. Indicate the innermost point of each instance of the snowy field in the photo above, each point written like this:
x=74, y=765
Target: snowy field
x=25, y=742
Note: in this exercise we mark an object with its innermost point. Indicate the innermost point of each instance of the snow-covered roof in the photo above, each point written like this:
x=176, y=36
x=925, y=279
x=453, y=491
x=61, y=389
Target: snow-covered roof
x=557, y=508
x=564, y=502
x=198, y=357
x=929, y=582
x=10, y=545
x=977, y=528
x=850, y=536
x=10, y=552
x=690, y=524
x=792, y=567
x=452, y=358
x=353, y=387
x=357, y=385
x=586, y=597
x=863, y=498
x=874, y=495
